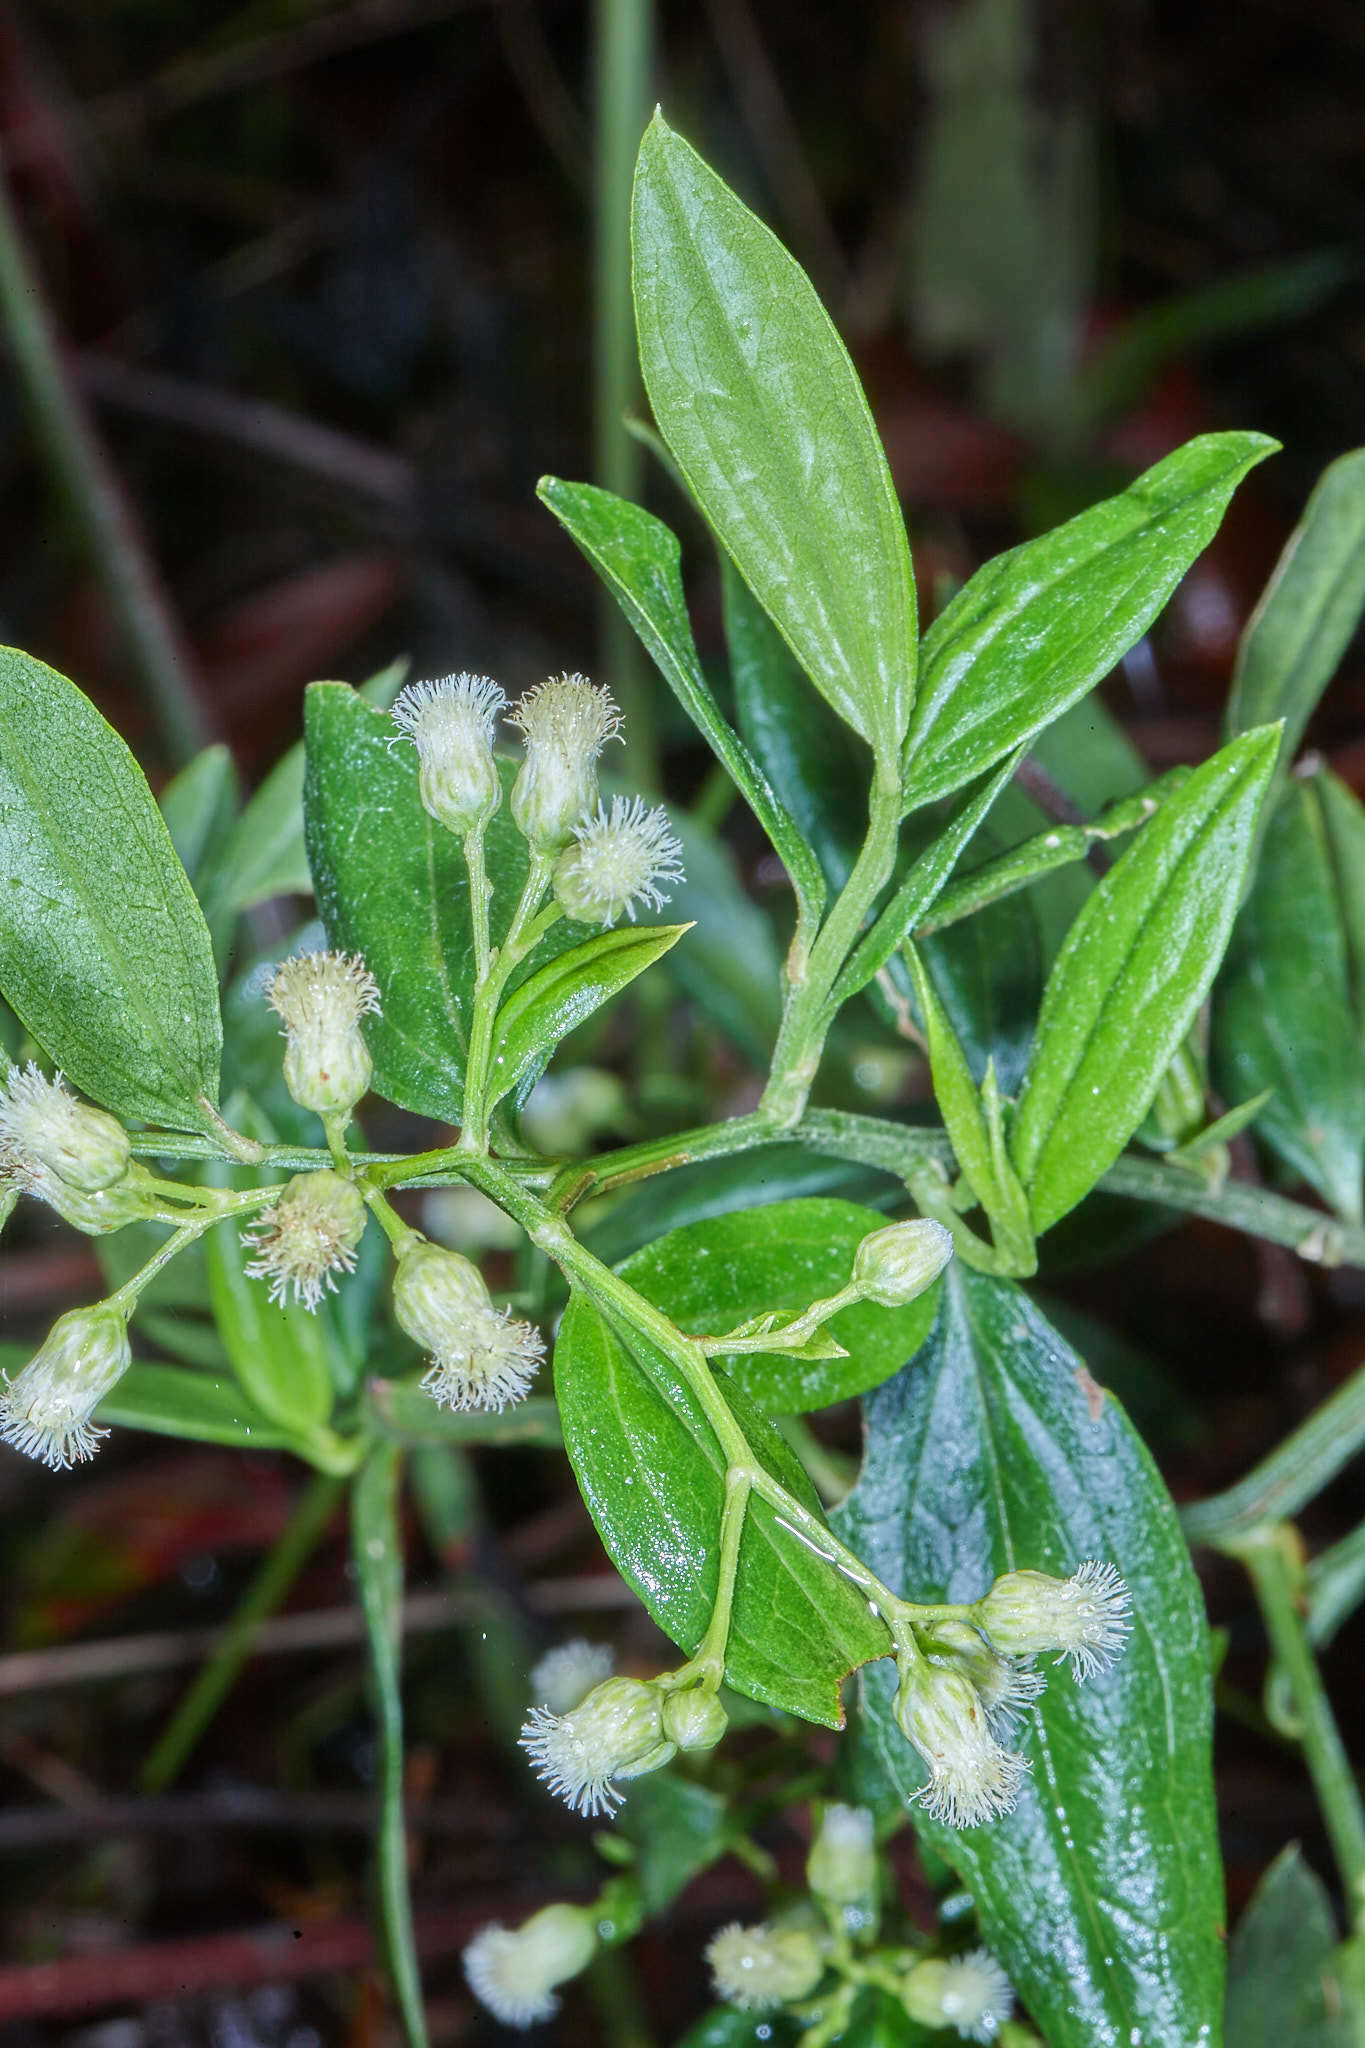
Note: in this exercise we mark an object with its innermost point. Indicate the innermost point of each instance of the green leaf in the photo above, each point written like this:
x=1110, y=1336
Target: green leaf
x=679, y=1829
x=756, y=396
x=1343, y=820
x=1282, y=1015
x=377, y=1553
x=265, y=854
x=199, y=807
x=1135, y=968
x=104, y=953
x=399, y=1409
x=1310, y=609
x=1101, y=1893
x=391, y=883
x=725, y=2026
x=1040, y=625
x=714, y=1276
x=205, y=1407
x=638, y=559
x=278, y=1354
x=807, y=753
x=562, y=994
x=652, y=1475
x=718, y=1187
x=1280, y=1964
x=730, y=966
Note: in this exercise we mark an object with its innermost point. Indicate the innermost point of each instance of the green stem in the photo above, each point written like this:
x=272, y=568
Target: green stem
x=1294, y=1473
x=377, y=1550
x=263, y=1596
x=480, y=896
x=808, y=1014
x=1273, y=1557
x=126, y=1297
x=708, y=1665
x=523, y=933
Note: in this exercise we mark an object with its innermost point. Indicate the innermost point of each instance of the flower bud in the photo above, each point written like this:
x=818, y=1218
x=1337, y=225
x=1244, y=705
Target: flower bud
x=322, y=998
x=307, y=1236
x=1085, y=1617
x=43, y=1126
x=970, y=1993
x=481, y=1357
x=616, y=1732
x=695, y=1719
x=566, y=722
x=567, y=1674
x=757, y=1968
x=895, y=1264
x=618, y=859
x=1004, y=1686
x=514, y=1971
x=842, y=1865
x=46, y=1412
x=450, y=722
x=971, y=1777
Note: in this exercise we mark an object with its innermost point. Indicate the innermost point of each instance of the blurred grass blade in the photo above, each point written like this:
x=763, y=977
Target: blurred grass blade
x=377, y=1550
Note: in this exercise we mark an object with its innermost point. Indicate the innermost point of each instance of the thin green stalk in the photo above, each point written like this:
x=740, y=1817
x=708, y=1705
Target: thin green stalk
x=623, y=49
x=525, y=930
x=1273, y=1557
x=377, y=1550
x=480, y=895
x=74, y=454
x=1293, y=1474
x=263, y=1596
x=709, y=1662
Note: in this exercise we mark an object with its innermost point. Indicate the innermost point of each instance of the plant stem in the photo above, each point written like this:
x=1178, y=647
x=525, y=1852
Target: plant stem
x=622, y=43
x=263, y=1596
x=1273, y=1557
x=479, y=898
x=74, y=454
x=1291, y=1476
x=522, y=934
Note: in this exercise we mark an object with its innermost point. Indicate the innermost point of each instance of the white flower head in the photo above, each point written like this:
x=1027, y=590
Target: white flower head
x=1086, y=1617
x=618, y=859
x=970, y=1993
x=565, y=1676
x=44, y=1130
x=758, y=1968
x=565, y=721
x=514, y=1971
x=481, y=1356
x=895, y=1264
x=972, y=1776
x=616, y=1732
x=308, y=1236
x=450, y=722
x=842, y=1865
x=1006, y=1686
x=46, y=1411
x=321, y=998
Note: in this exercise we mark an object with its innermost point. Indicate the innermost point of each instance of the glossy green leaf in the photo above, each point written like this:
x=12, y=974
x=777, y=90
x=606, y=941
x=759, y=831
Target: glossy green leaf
x=725, y=2026
x=392, y=884
x=713, y=1276
x=717, y=1187
x=735, y=346
x=565, y=992
x=1135, y=968
x=1311, y=607
x=1101, y=1893
x=638, y=558
x=207, y=1408
x=807, y=753
x=1281, y=1989
x=1040, y=625
x=1283, y=1018
x=265, y=854
x=1343, y=821
x=199, y=806
x=104, y=953
x=652, y=1475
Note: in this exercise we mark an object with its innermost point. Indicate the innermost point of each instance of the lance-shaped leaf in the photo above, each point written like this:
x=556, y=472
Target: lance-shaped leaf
x=1283, y=1019
x=1040, y=625
x=207, y=1408
x=104, y=953
x=756, y=396
x=558, y=996
x=638, y=558
x=1282, y=1988
x=1101, y=1892
x=1311, y=607
x=1136, y=965
x=653, y=1475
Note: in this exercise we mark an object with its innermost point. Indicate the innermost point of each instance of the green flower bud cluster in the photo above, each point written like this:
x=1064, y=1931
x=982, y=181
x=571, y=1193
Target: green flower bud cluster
x=46, y=1411
x=481, y=1356
x=76, y=1158
x=321, y=998
x=622, y=1728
